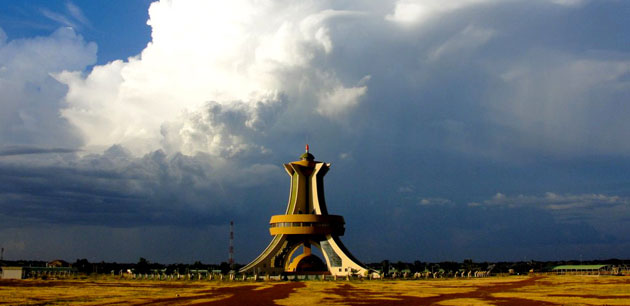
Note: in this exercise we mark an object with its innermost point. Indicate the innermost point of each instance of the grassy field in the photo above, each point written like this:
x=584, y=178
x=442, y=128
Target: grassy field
x=515, y=290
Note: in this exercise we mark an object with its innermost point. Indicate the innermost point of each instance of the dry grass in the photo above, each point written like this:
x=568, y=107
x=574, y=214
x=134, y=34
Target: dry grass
x=523, y=290
x=314, y=293
x=576, y=290
x=464, y=302
x=90, y=292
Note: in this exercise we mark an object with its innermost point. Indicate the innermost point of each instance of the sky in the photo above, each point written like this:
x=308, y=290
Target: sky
x=469, y=129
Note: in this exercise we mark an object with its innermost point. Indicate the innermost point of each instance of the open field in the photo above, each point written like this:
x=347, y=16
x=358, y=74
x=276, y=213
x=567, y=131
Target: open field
x=515, y=290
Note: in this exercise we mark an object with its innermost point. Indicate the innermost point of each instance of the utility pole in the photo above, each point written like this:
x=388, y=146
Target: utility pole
x=231, y=260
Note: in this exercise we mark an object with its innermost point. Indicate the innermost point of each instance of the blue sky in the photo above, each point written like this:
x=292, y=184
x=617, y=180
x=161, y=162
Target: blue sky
x=491, y=130
x=118, y=27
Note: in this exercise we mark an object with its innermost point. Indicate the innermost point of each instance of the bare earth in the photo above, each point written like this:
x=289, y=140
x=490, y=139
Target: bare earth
x=515, y=290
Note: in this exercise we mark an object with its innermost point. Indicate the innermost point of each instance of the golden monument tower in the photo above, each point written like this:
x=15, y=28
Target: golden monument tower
x=306, y=223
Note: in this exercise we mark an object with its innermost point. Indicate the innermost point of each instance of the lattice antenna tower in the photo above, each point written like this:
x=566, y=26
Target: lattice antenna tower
x=231, y=260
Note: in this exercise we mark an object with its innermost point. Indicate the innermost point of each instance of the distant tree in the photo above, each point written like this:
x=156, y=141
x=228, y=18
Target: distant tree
x=385, y=266
x=142, y=266
x=449, y=265
x=469, y=264
x=83, y=266
x=238, y=266
x=418, y=266
x=401, y=266
x=225, y=267
x=435, y=267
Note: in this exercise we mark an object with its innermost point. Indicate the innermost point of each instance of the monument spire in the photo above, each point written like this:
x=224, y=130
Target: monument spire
x=306, y=223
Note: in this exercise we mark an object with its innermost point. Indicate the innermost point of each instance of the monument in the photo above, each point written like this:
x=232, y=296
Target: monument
x=306, y=223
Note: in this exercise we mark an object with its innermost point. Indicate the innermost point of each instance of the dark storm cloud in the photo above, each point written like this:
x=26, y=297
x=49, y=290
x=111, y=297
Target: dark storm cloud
x=456, y=232
x=21, y=150
x=115, y=189
x=502, y=80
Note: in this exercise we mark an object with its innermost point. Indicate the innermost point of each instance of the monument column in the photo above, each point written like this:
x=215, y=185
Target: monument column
x=306, y=223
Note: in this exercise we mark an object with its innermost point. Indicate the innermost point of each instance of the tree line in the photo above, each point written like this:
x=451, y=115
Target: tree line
x=386, y=266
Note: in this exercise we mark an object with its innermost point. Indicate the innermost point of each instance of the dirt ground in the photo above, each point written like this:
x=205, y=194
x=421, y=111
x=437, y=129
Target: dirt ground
x=515, y=290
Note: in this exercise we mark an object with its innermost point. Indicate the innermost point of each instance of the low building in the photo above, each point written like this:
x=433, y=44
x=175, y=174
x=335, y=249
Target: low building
x=12, y=273
x=58, y=263
x=582, y=269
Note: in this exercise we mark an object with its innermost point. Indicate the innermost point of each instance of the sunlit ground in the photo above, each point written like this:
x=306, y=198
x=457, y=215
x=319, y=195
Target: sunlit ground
x=514, y=290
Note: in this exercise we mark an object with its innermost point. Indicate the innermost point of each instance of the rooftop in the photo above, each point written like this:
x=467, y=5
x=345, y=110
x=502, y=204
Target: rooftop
x=580, y=267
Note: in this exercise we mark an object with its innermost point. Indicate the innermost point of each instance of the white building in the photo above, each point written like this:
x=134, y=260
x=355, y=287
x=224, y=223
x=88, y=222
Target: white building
x=11, y=273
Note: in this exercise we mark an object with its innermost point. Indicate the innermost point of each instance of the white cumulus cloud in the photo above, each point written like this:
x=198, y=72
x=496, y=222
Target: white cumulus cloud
x=238, y=55
x=416, y=11
x=31, y=97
